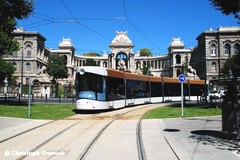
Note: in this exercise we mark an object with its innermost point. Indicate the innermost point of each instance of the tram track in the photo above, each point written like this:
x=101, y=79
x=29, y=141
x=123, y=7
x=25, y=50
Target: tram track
x=40, y=127
x=37, y=127
x=139, y=140
x=49, y=139
x=99, y=123
x=141, y=150
x=26, y=131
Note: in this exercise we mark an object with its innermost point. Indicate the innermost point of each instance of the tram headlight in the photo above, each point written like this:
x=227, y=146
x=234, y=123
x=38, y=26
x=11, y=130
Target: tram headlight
x=82, y=71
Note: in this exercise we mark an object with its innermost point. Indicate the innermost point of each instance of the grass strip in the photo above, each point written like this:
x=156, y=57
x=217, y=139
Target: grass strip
x=38, y=111
x=175, y=112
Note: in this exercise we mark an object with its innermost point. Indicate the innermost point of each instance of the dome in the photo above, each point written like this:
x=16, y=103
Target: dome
x=121, y=40
x=66, y=44
x=176, y=44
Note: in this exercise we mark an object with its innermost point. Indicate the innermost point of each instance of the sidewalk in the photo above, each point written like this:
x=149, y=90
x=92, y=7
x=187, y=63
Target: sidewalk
x=189, y=138
x=10, y=127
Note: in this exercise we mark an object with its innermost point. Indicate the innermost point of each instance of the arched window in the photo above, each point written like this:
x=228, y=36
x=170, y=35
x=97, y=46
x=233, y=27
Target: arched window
x=28, y=52
x=227, y=49
x=105, y=64
x=237, y=48
x=178, y=72
x=213, y=50
x=178, y=59
x=121, y=61
x=28, y=67
x=214, y=67
x=138, y=65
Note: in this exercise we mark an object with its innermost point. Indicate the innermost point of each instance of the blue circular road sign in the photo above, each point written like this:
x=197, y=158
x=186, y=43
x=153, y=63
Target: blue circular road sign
x=182, y=78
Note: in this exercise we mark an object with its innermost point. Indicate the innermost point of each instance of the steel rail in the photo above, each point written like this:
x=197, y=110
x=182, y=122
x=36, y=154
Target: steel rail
x=84, y=154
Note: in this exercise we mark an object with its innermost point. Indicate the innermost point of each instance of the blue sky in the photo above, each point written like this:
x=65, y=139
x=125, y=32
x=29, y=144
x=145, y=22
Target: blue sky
x=92, y=24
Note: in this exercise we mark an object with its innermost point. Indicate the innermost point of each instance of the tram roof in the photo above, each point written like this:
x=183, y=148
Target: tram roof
x=132, y=76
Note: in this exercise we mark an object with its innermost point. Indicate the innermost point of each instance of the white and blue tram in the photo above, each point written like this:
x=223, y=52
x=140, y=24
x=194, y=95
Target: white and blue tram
x=100, y=88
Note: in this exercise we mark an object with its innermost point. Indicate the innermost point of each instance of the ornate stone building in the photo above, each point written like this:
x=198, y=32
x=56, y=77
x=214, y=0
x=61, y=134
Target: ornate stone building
x=204, y=61
x=213, y=49
x=31, y=60
x=66, y=49
x=179, y=55
x=122, y=57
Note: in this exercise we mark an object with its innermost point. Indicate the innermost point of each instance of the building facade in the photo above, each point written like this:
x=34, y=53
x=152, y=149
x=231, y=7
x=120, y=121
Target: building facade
x=213, y=49
x=202, y=62
x=30, y=61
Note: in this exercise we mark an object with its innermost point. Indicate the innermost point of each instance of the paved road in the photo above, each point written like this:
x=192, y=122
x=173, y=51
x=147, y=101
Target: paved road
x=170, y=139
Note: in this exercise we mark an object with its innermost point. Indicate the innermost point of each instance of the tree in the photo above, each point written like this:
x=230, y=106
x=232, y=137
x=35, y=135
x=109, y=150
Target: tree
x=145, y=52
x=233, y=64
x=92, y=54
x=227, y=7
x=6, y=70
x=185, y=64
x=10, y=10
x=146, y=70
x=57, y=67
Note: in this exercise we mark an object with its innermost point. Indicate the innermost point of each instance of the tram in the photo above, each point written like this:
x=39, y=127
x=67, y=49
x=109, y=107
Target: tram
x=99, y=88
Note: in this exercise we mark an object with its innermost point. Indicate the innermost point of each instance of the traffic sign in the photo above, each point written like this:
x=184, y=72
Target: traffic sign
x=182, y=78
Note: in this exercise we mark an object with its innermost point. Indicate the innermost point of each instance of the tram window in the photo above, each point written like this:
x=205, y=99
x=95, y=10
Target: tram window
x=89, y=82
x=196, y=89
x=156, y=89
x=137, y=89
x=172, y=89
x=99, y=84
x=115, y=89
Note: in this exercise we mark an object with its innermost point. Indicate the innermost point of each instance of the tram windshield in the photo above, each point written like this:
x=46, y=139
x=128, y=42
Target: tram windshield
x=90, y=86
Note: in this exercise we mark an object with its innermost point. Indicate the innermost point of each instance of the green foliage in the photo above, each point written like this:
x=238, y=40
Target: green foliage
x=175, y=112
x=6, y=70
x=38, y=111
x=7, y=44
x=15, y=9
x=92, y=54
x=145, y=52
x=227, y=7
x=57, y=67
x=61, y=91
x=146, y=70
x=185, y=64
x=232, y=63
x=10, y=10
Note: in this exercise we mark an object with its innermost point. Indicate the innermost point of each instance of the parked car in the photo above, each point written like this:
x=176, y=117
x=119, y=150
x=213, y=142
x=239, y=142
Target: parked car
x=216, y=94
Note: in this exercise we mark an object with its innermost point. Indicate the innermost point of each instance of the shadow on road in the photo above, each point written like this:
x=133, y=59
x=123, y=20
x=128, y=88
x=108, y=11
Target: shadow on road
x=213, y=138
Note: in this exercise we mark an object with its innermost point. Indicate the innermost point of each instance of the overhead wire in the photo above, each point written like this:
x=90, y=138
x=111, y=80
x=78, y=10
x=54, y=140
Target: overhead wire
x=43, y=24
x=34, y=23
x=138, y=30
x=85, y=26
x=43, y=15
x=49, y=20
x=44, y=20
